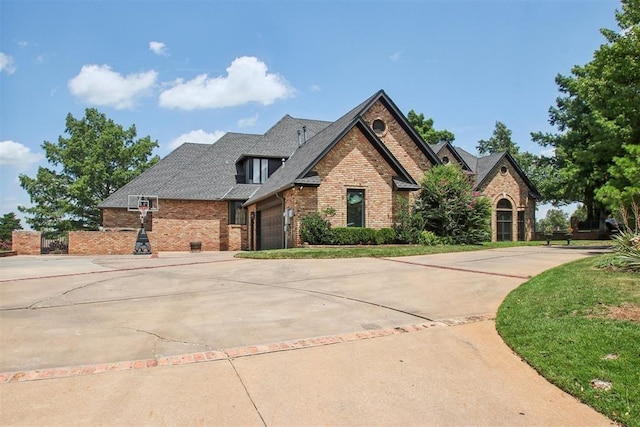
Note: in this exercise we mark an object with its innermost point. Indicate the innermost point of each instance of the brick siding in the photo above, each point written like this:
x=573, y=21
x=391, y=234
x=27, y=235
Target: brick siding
x=354, y=164
x=177, y=224
x=399, y=142
x=112, y=242
x=26, y=242
x=510, y=186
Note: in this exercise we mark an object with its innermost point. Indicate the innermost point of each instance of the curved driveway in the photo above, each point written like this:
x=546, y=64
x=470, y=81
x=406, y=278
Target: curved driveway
x=282, y=342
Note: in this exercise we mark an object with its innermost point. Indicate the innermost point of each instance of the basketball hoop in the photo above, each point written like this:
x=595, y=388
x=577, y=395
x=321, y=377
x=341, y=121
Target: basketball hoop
x=143, y=211
x=143, y=208
x=142, y=204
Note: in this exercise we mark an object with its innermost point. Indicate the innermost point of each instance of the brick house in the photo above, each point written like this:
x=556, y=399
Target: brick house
x=251, y=191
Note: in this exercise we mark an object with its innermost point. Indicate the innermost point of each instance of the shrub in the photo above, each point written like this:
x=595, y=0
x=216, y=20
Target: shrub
x=627, y=250
x=315, y=230
x=428, y=238
x=408, y=223
x=385, y=236
x=449, y=207
x=353, y=236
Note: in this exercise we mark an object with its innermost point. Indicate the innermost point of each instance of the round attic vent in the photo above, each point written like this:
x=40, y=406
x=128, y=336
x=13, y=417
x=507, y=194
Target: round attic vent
x=379, y=127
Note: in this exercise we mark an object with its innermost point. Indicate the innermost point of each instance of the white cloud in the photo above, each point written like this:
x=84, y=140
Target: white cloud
x=197, y=136
x=315, y=88
x=17, y=155
x=247, y=80
x=7, y=64
x=99, y=85
x=158, y=48
x=248, y=122
x=396, y=56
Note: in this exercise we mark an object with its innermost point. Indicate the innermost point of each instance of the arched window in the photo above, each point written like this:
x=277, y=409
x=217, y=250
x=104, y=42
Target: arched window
x=504, y=204
x=504, y=221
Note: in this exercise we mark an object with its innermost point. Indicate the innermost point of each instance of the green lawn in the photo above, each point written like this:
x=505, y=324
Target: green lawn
x=392, y=250
x=569, y=324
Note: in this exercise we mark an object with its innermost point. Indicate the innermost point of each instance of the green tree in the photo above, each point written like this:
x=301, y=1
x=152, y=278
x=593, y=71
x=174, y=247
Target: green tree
x=596, y=153
x=8, y=223
x=98, y=157
x=499, y=142
x=556, y=220
x=425, y=129
x=450, y=209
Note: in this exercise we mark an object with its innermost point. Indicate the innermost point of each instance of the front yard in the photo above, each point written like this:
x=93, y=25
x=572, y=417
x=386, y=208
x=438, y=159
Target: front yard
x=579, y=326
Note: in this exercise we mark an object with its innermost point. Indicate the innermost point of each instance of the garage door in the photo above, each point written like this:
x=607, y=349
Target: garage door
x=271, y=228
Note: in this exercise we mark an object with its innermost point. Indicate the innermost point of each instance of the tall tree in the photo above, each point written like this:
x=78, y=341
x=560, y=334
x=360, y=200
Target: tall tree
x=98, y=157
x=499, y=142
x=8, y=223
x=597, y=153
x=425, y=129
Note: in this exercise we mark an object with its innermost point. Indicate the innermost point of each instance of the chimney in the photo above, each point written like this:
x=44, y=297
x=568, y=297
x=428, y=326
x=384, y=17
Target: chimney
x=304, y=133
x=299, y=139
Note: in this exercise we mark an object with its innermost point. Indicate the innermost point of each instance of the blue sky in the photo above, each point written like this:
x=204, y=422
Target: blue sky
x=192, y=70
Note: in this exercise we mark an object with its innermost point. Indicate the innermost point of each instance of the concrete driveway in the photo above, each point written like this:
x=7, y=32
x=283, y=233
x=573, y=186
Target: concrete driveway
x=209, y=339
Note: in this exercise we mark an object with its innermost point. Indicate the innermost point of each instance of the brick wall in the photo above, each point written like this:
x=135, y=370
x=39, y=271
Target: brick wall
x=178, y=223
x=354, y=164
x=111, y=242
x=510, y=186
x=26, y=242
x=399, y=142
x=122, y=218
x=445, y=152
x=175, y=235
x=237, y=237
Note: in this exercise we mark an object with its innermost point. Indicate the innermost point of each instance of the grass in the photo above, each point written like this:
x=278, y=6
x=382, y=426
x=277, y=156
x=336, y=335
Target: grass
x=390, y=250
x=561, y=323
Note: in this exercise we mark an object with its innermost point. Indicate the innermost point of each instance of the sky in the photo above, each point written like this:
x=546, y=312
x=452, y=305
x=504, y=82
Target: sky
x=193, y=70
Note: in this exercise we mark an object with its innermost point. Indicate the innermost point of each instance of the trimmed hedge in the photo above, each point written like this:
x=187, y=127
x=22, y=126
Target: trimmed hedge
x=316, y=230
x=353, y=236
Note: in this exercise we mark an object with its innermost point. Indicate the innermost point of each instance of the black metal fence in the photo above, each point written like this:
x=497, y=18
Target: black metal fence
x=54, y=245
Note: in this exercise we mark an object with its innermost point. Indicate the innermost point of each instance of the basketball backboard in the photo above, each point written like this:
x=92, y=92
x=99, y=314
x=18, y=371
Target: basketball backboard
x=139, y=202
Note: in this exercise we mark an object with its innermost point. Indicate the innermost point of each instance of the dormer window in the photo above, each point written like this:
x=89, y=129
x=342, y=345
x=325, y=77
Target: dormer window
x=256, y=170
x=260, y=171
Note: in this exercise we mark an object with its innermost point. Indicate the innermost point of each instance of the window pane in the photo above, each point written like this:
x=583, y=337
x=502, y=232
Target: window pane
x=355, y=208
x=237, y=215
x=265, y=170
x=256, y=171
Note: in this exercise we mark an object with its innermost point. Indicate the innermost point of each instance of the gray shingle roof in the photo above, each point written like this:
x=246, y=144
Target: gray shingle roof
x=207, y=172
x=282, y=139
x=308, y=154
x=295, y=170
x=190, y=172
x=482, y=166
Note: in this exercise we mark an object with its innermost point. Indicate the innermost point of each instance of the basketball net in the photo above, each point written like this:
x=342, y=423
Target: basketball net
x=143, y=212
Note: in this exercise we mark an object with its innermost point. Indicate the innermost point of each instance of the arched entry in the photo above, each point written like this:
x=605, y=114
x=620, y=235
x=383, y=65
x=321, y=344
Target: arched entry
x=504, y=221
